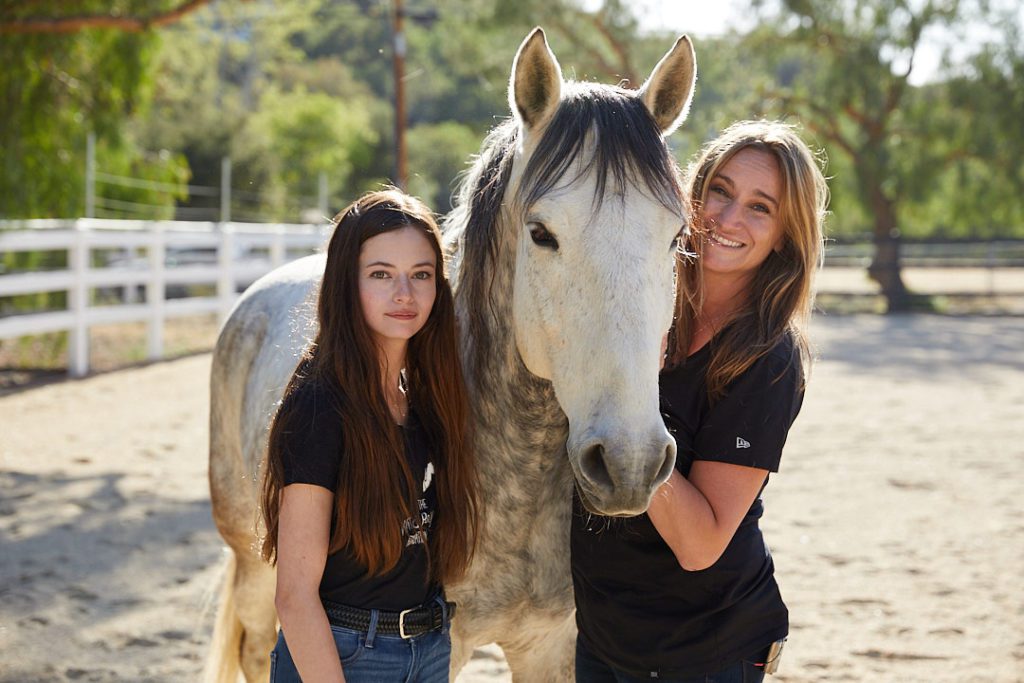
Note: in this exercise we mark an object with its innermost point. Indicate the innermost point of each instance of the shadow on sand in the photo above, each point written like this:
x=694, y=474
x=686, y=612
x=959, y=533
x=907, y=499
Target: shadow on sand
x=82, y=540
x=931, y=347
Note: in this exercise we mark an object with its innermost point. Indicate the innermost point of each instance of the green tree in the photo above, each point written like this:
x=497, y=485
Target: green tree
x=301, y=135
x=69, y=71
x=438, y=153
x=55, y=89
x=843, y=68
x=458, y=60
x=984, y=182
x=33, y=17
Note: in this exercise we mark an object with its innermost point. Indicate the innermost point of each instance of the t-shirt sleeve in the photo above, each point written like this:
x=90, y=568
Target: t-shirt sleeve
x=311, y=445
x=749, y=424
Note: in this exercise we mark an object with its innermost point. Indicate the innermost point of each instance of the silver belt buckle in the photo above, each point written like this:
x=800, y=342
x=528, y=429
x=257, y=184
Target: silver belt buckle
x=401, y=623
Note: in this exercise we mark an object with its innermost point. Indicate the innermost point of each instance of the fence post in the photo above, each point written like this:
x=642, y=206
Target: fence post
x=321, y=203
x=131, y=294
x=277, y=247
x=225, y=189
x=78, y=302
x=90, y=175
x=155, y=293
x=990, y=264
x=226, y=279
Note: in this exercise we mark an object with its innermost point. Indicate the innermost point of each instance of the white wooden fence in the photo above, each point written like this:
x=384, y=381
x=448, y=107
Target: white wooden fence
x=225, y=255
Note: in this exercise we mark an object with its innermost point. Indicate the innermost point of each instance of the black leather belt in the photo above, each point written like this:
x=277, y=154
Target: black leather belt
x=408, y=623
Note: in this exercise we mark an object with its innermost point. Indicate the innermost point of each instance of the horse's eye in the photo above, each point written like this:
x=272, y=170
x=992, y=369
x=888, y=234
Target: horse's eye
x=541, y=237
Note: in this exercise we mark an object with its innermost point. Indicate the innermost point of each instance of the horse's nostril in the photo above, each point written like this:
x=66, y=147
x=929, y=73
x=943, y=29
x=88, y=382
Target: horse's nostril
x=594, y=468
x=668, y=463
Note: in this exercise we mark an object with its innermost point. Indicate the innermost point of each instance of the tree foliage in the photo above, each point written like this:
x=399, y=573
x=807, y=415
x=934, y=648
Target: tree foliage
x=983, y=186
x=26, y=17
x=298, y=136
x=236, y=81
x=294, y=88
x=844, y=69
x=438, y=154
x=55, y=89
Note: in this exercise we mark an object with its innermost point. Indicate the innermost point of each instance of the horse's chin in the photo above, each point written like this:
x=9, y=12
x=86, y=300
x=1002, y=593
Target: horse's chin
x=593, y=508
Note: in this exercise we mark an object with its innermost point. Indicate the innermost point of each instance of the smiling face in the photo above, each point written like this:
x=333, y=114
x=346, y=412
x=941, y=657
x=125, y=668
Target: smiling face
x=397, y=286
x=742, y=215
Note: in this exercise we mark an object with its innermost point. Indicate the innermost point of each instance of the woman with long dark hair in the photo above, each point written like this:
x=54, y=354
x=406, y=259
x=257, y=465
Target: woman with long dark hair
x=369, y=495
x=687, y=591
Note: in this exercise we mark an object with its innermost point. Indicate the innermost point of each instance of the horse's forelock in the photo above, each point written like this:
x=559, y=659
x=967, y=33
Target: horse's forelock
x=623, y=141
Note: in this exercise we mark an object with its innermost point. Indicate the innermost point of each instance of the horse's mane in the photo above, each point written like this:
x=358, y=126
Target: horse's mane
x=626, y=147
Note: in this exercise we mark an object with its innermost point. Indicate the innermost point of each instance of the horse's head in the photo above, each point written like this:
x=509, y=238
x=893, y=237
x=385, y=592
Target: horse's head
x=595, y=198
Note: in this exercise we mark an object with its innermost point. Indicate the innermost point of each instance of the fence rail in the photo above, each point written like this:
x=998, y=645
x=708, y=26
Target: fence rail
x=1004, y=253
x=226, y=256
x=158, y=255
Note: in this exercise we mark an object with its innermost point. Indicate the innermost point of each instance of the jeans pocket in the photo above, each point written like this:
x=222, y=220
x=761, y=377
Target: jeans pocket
x=350, y=644
x=273, y=665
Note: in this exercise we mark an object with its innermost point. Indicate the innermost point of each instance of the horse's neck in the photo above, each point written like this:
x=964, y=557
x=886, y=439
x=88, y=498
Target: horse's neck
x=508, y=400
x=521, y=431
x=518, y=406
x=520, y=435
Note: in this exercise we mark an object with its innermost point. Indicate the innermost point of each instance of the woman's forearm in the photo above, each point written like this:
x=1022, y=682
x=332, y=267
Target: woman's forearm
x=301, y=556
x=686, y=522
x=309, y=637
x=698, y=516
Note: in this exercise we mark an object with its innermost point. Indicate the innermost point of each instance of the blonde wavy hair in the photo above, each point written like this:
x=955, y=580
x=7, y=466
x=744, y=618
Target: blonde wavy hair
x=781, y=293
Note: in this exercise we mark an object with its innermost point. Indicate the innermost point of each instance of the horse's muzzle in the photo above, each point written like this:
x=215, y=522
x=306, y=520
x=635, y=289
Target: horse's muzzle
x=619, y=481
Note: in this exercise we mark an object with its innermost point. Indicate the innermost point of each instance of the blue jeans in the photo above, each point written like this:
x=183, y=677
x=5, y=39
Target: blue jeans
x=590, y=669
x=374, y=658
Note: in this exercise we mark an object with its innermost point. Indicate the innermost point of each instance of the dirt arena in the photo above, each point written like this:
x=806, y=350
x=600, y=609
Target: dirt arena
x=897, y=521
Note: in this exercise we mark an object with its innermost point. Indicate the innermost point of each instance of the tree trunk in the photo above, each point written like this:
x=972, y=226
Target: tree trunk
x=885, y=268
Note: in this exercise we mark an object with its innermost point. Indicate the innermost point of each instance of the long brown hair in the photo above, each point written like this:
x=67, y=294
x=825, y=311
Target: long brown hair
x=781, y=293
x=374, y=472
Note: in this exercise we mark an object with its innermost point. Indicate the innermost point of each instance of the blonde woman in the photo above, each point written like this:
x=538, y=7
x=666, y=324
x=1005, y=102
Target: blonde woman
x=686, y=592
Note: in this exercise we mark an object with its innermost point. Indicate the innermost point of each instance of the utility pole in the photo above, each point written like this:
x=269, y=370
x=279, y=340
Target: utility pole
x=422, y=17
x=398, y=37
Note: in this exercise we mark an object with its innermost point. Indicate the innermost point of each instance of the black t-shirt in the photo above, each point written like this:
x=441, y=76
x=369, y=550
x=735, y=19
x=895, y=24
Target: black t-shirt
x=636, y=607
x=312, y=454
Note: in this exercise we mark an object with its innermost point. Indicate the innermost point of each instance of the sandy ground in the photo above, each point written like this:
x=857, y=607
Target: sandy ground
x=897, y=522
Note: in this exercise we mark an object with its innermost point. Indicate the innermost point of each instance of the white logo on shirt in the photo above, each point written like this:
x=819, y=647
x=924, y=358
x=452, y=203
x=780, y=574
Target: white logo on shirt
x=428, y=476
x=416, y=532
x=742, y=443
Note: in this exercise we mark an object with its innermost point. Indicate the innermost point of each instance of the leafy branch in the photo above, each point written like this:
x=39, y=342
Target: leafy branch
x=73, y=24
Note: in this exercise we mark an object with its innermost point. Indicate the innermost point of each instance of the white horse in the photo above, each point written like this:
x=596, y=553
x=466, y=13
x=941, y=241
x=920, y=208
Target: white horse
x=562, y=248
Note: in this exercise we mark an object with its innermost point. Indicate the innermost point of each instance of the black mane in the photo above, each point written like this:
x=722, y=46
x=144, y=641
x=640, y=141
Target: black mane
x=627, y=146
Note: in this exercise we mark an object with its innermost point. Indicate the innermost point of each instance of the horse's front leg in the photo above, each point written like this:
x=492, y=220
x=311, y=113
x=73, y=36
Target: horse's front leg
x=462, y=649
x=543, y=654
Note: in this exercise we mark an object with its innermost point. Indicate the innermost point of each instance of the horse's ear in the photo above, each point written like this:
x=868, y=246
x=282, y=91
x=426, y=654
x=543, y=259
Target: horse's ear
x=536, y=85
x=669, y=89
